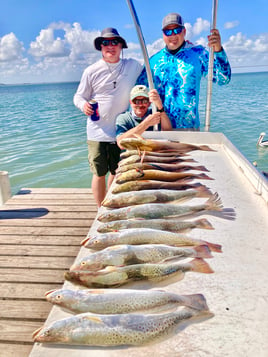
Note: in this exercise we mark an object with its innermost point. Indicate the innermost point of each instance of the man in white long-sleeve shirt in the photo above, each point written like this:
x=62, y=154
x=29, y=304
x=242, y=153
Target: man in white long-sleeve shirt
x=108, y=82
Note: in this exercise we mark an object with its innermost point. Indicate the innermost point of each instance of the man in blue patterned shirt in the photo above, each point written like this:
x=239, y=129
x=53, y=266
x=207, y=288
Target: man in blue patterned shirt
x=178, y=68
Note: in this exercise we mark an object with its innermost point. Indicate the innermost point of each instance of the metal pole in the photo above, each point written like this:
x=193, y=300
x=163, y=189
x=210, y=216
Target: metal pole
x=210, y=67
x=143, y=48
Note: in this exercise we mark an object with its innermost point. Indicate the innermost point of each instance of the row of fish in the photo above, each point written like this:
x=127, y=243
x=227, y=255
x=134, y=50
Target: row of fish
x=140, y=238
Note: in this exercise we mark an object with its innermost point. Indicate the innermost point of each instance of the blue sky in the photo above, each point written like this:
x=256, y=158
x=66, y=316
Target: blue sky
x=52, y=40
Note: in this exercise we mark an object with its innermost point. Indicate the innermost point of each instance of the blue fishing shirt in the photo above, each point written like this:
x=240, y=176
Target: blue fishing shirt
x=177, y=79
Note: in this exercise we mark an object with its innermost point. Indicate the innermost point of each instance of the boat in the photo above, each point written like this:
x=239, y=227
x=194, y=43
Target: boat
x=261, y=142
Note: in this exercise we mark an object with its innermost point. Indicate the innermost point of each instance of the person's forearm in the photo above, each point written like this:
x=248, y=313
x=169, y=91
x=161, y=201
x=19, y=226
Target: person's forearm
x=138, y=130
x=165, y=122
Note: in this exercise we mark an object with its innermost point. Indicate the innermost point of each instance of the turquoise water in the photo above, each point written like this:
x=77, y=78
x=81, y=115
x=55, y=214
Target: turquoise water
x=43, y=136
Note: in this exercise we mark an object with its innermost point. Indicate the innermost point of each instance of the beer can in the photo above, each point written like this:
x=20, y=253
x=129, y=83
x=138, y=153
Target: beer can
x=95, y=116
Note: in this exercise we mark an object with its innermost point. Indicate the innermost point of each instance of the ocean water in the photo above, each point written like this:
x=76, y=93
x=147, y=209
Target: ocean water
x=43, y=136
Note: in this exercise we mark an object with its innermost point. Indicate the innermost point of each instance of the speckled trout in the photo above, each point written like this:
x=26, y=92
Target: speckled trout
x=160, y=210
x=115, y=330
x=171, y=225
x=125, y=199
x=120, y=301
x=163, y=153
x=159, y=166
x=112, y=276
x=144, y=235
x=126, y=254
x=139, y=185
x=158, y=175
x=134, y=159
x=158, y=145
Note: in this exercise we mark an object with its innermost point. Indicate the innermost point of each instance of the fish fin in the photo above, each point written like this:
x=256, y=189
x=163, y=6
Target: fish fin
x=109, y=269
x=202, y=251
x=204, y=223
x=203, y=191
x=200, y=266
x=195, y=301
x=214, y=247
x=96, y=291
x=200, y=168
x=94, y=319
x=214, y=202
x=206, y=148
x=204, y=177
x=142, y=156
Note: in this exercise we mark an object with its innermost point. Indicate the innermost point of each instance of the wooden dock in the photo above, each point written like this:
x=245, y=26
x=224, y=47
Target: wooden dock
x=40, y=234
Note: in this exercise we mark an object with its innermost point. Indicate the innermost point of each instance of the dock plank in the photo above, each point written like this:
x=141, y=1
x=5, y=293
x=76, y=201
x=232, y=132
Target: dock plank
x=33, y=239
x=10, y=309
x=25, y=291
x=39, y=250
x=18, y=331
x=11, y=350
x=38, y=261
x=46, y=222
x=40, y=234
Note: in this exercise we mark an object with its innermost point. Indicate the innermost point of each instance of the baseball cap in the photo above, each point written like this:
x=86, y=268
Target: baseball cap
x=139, y=91
x=172, y=19
x=108, y=32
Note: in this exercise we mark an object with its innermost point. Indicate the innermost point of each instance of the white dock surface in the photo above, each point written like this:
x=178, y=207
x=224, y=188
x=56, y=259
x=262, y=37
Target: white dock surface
x=237, y=291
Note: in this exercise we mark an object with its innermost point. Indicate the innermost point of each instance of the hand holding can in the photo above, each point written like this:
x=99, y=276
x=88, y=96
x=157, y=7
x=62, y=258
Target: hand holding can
x=95, y=116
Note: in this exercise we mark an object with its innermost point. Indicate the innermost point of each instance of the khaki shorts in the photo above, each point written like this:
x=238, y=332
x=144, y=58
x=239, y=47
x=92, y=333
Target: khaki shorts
x=103, y=157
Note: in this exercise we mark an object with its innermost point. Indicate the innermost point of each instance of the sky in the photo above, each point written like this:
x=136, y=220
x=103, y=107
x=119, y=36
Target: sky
x=52, y=40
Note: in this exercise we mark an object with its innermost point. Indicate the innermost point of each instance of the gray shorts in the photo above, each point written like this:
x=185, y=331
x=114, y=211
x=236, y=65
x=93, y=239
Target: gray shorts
x=103, y=157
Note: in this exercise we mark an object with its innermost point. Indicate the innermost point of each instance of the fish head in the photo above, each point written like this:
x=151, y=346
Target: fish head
x=87, y=263
x=49, y=335
x=60, y=297
x=92, y=242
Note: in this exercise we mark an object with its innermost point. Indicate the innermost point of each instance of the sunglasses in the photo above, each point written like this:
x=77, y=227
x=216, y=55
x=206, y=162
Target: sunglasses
x=175, y=31
x=110, y=42
x=140, y=101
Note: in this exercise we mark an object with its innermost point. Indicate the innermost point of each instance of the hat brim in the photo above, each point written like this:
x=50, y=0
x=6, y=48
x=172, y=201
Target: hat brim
x=98, y=41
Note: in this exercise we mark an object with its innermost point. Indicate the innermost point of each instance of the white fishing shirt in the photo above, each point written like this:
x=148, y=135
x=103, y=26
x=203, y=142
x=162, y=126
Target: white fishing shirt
x=109, y=84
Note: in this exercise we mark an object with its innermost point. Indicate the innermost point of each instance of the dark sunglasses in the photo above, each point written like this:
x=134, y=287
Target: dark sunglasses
x=140, y=101
x=175, y=31
x=110, y=42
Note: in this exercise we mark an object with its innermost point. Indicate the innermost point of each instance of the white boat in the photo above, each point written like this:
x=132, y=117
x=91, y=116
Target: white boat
x=237, y=291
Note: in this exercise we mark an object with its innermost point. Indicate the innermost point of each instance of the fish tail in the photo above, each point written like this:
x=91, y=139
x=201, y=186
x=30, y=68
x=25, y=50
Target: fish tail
x=200, y=168
x=214, y=247
x=195, y=301
x=200, y=266
x=214, y=203
x=204, y=177
x=203, y=191
x=205, y=148
x=204, y=224
x=202, y=251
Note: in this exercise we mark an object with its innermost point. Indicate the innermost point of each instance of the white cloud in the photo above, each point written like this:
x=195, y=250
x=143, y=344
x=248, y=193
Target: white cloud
x=231, y=24
x=10, y=48
x=247, y=53
x=46, y=45
x=199, y=26
x=81, y=42
x=62, y=51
